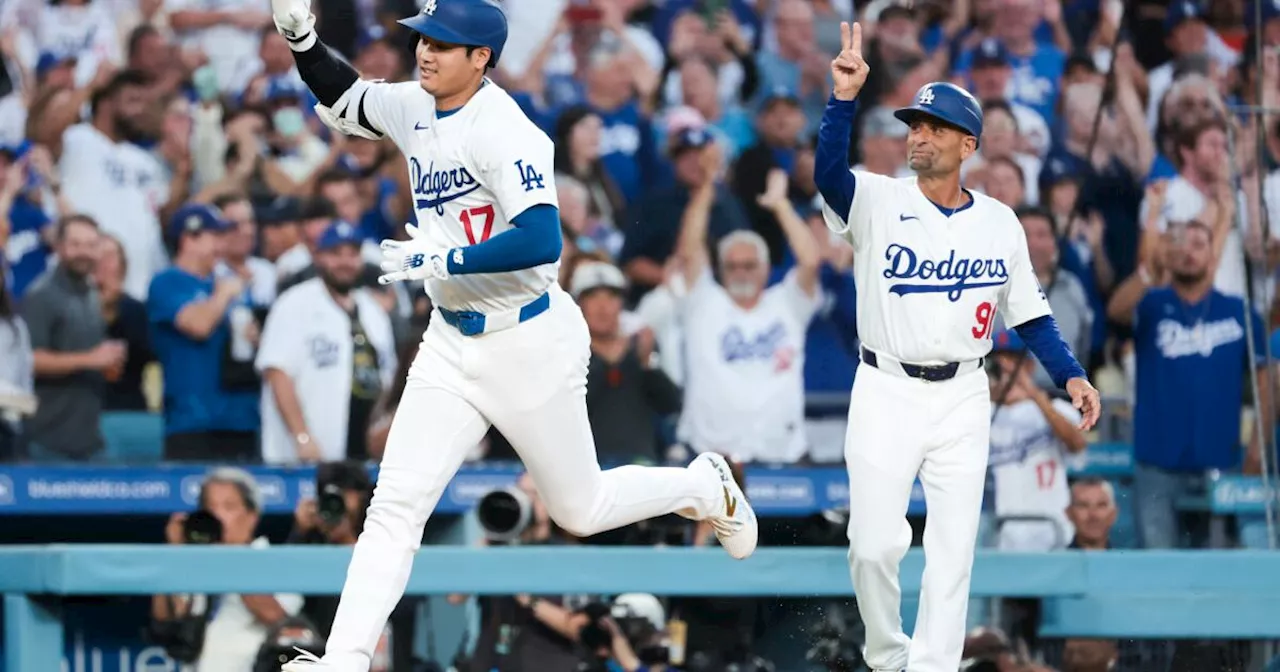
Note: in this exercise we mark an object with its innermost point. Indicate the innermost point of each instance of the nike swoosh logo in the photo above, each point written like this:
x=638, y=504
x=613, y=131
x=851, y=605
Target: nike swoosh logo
x=730, y=503
x=906, y=218
x=419, y=127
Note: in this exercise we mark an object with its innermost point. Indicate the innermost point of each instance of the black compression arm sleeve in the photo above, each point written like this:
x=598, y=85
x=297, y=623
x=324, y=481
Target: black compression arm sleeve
x=325, y=73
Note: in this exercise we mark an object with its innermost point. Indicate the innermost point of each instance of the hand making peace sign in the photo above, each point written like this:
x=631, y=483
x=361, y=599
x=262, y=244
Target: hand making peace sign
x=848, y=70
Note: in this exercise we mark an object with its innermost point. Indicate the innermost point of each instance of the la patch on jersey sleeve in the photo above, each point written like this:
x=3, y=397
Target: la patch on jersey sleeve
x=515, y=159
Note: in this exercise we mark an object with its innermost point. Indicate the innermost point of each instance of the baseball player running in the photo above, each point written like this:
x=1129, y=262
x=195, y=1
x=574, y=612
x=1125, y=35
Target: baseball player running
x=506, y=346
x=934, y=263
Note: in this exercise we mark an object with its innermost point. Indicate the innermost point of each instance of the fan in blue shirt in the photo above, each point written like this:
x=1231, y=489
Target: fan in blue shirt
x=1192, y=355
x=207, y=413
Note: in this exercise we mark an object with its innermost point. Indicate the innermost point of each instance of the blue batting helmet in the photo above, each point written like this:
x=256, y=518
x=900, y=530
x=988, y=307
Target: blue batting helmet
x=471, y=23
x=947, y=103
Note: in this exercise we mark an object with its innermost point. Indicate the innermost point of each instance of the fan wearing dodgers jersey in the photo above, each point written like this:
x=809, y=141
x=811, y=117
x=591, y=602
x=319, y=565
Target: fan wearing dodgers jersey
x=744, y=344
x=1032, y=437
x=934, y=263
x=506, y=346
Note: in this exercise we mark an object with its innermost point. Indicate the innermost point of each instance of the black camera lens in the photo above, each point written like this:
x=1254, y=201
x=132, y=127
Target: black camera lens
x=331, y=504
x=202, y=527
x=504, y=515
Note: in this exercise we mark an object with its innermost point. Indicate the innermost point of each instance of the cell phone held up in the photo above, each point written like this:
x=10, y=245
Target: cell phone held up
x=202, y=528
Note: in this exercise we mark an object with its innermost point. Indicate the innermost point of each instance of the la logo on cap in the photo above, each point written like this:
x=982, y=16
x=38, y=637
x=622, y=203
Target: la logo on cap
x=193, y=222
x=430, y=8
x=926, y=96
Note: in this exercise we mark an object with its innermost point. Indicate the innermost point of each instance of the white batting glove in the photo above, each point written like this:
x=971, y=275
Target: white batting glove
x=413, y=259
x=295, y=21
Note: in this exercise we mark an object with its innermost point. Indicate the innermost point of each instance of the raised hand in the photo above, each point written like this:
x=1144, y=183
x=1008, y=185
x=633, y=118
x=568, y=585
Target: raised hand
x=848, y=70
x=294, y=20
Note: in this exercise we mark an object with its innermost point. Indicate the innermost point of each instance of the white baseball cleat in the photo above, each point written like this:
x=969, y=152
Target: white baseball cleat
x=734, y=520
x=305, y=662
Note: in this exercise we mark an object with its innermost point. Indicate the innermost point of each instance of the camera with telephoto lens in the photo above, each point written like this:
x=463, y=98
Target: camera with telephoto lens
x=202, y=527
x=639, y=631
x=504, y=515
x=333, y=481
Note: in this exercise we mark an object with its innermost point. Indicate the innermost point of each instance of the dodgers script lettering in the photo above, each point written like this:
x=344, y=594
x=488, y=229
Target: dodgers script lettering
x=952, y=275
x=435, y=188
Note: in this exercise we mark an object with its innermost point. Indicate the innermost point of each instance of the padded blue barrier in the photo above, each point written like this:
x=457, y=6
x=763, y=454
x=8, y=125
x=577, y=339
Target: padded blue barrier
x=1146, y=594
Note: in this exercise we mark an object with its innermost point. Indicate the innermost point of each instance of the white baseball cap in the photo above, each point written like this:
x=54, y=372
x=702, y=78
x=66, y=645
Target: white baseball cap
x=640, y=605
x=594, y=275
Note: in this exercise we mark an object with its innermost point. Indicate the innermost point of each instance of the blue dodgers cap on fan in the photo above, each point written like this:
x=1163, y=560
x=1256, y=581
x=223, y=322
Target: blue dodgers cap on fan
x=196, y=217
x=1008, y=340
x=50, y=60
x=1056, y=171
x=1182, y=10
x=338, y=234
x=990, y=52
x=691, y=138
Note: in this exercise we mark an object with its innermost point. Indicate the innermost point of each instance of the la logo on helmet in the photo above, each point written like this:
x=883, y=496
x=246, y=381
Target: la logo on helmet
x=430, y=8
x=926, y=96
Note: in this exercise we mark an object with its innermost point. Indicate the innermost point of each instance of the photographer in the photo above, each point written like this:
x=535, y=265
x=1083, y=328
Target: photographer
x=628, y=636
x=219, y=633
x=336, y=516
x=522, y=633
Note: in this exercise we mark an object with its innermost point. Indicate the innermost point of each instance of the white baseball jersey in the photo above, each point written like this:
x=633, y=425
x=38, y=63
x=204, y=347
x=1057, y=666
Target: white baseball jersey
x=308, y=337
x=929, y=286
x=122, y=187
x=745, y=384
x=1029, y=469
x=472, y=170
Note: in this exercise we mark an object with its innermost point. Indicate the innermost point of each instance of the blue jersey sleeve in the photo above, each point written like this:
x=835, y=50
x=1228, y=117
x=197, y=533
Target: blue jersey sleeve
x=831, y=158
x=167, y=297
x=1045, y=342
x=534, y=241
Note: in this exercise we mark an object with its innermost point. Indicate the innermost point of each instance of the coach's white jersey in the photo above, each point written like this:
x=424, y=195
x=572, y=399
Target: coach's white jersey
x=744, y=393
x=122, y=187
x=308, y=337
x=472, y=171
x=929, y=285
x=1029, y=469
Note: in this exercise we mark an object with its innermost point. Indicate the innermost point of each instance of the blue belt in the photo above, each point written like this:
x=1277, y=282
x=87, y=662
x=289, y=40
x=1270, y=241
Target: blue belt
x=471, y=323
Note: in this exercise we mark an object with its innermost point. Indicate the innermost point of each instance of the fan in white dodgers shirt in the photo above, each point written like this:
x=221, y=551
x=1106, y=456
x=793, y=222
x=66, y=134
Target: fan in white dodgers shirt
x=744, y=344
x=1033, y=436
x=119, y=184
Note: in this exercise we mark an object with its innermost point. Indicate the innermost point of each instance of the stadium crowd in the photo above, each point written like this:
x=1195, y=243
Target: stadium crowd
x=182, y=235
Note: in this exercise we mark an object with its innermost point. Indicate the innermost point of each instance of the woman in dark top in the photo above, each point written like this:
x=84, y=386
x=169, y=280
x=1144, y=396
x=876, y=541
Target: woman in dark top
x=577, y=139
x=126, y=319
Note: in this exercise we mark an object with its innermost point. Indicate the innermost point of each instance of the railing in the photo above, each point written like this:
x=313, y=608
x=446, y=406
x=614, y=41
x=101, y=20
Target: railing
x=1161, y=595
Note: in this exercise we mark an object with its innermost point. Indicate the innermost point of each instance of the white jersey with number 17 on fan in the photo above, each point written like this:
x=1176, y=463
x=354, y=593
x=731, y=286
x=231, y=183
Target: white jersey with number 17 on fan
x=471, y=172
x=929, y=285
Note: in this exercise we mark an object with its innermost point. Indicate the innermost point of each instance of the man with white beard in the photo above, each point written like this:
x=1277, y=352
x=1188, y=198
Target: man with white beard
x=743, y=343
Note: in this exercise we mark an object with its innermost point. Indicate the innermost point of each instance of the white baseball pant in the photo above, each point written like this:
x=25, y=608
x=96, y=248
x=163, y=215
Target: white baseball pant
x=529, y=381
x=900, y=427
